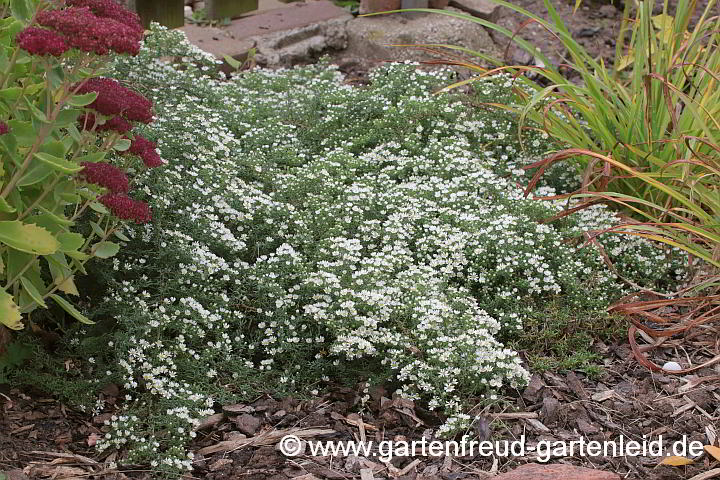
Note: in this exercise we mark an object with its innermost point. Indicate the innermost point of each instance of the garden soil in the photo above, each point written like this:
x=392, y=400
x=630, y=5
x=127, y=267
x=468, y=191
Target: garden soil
x=41, y=438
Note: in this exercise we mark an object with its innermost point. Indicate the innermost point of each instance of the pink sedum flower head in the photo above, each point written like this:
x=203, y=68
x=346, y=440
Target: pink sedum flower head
x=114, y=99
x=113, y=10
x=152, y=159
x=145, y=149
x=84, y=30
x=125, y=208
x=117, y=124
x=106, y=175
x=40, y=41
x=4, y=128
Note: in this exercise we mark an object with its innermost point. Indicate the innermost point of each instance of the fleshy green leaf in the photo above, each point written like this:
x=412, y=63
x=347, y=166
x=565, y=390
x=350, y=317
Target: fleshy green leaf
x=67, y=117
x=82, y=100
x=78, y=256
x=98, y=207
x=74, y=133
x=92, y=157
x=9, y=313
x=68, y=286
x=59, y=268
x=69, y=308
x=70, y=241
x=33, y=291
x=97, y=229
x=105, y=249
x=16, y=261
x=37, y=113
x=20, y=10
x=58, y=163
x=6, y=207
x=36, y=173
x=23, y=132
x=27, y=238
x=11, y=93
x=58, y=219
x=122, y=145
x=235, y=64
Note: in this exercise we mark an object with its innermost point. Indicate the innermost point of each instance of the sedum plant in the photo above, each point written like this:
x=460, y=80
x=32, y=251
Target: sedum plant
x=63, y=192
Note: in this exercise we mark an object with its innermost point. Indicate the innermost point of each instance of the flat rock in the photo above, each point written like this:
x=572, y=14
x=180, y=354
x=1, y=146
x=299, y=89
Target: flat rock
x=372, y=6
x=281, y=36
x=369, y=37
x=485, y=9
x=538, y=471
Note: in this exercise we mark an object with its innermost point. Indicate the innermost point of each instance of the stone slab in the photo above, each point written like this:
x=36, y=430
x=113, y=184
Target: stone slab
x=373, y=6
x=296, y=15
x=216, y=41
x=241, y=35
x=369, y=37
x=219, y=9
x=542, y=471
x=281, y=36
x=485, y=9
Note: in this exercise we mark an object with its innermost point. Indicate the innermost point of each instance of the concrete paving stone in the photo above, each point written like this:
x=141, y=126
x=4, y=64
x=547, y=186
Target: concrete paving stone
x=246, y=32
x=485, y=9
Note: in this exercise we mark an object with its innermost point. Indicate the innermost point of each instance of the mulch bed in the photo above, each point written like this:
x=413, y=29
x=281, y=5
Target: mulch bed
x=45, y=439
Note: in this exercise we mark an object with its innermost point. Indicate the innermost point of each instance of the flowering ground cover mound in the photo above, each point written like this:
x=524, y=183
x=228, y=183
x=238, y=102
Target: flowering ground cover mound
x=307, y=232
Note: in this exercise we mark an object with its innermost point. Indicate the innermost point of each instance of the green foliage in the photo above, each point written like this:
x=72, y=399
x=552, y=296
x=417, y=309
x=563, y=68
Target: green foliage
x=352, y=6
x=643, y=134
x=43, y=202
x=562, y=339
x=15, y=354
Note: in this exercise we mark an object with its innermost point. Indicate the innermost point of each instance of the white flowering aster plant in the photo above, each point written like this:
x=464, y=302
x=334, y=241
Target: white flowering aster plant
x=308, y=232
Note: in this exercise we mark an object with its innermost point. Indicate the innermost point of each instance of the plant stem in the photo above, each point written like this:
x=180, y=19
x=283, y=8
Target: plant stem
x=19, y=274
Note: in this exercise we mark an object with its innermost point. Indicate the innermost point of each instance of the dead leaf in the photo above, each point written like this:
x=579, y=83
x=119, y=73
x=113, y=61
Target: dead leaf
x=366, y=474
x=238, y=408
x=210, y=421
x=220, y=463
x=714, y=451
x=602, y=396
x=537, y=425
x=676, y=461
x=576, y=385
